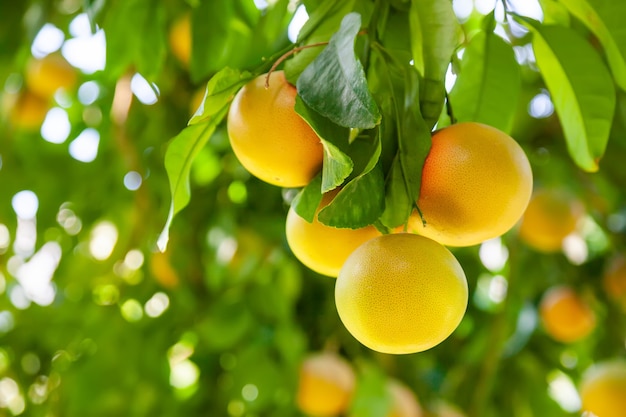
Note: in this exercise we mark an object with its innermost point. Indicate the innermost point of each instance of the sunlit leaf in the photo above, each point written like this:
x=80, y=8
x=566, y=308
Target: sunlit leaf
x=605, y=19
x=581, y=89
x=184, y=147
x=488, y=84
x=334, y=84
x=435, y=34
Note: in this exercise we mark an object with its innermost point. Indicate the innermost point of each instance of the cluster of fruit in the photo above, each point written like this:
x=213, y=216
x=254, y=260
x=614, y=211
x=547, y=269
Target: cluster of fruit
x=43, y=78
x=327, y=385
x=400, y=292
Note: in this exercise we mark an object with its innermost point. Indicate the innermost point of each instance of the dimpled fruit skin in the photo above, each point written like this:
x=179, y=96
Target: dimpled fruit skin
x=603, y=389
x=324, y=249
x=326, y=385
x=269, y=138
x=551, y=216
x=565, y=316
x=401, y=293
x=476, y=184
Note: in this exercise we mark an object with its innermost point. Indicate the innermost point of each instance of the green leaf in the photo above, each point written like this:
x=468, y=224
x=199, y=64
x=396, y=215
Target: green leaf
x=334, y=84
x=337, y=165
x=581, y=89
x=413, y=144
x=435, y=34
x=145, y=53
x=488, y=84
x=307, y=201
x=183, y=149
x=605, y=19
x=358, y=204
x=323, y=22
x=220, y=89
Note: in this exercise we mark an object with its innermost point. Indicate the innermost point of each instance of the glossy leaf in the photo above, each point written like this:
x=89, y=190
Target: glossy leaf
x=337, y=166
x=358, y=204
x=581, y=88
x=605, y=19
x=488, y=84
x=435, y=34
x=334, y=84
x=308, y=199
x=184, y=147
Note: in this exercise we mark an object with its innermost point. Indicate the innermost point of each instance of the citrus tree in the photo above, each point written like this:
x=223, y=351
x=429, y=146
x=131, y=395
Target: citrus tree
x=364, y=208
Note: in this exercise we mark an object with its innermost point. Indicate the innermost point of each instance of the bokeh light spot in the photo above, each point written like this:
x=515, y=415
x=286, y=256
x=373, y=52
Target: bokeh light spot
x=56, y=126
x=85, y=147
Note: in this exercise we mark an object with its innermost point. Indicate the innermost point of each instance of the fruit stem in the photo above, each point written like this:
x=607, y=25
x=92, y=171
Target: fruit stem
x=287, y=55
x=293, y=51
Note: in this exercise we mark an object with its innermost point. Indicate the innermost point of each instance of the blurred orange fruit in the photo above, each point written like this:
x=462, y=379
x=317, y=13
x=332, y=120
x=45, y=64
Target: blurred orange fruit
x=403, y=401
x=566, y=317
x=401, y=293
x=162, y=271
x=46, y=75
x=476, y=184
x=550, y=217
x=269, y=138
x=180, y=39
x=29, y=111
x=322, y=248
x=196, y=100
x=326, y=385
x=614, y=279
x=603, y=389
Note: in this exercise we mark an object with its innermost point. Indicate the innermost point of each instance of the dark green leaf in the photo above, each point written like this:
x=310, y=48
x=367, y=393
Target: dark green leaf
x=308, y=199
x=581, y=88
x=605, y=19
x=488, y=84
x=334, y=84
x=358, y=204
x=435, y=34
x=337, y=165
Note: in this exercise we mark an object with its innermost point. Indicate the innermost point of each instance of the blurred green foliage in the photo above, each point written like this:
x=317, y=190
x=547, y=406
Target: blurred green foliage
x=94, y=321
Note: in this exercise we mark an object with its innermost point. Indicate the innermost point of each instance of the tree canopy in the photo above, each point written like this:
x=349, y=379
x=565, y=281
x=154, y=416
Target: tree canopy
x=144, y=271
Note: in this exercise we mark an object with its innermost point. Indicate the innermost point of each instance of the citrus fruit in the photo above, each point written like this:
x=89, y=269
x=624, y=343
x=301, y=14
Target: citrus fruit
x=29, y=111
x=565, y=316
x=269, y=138
x=326, y=385
x=614, y=279
x=551, y=216
x=476, y=184
x=401, y=293
x=603, y=389
x=46, y=75
x=180, y=39
x=322, y=248
x=403, y=401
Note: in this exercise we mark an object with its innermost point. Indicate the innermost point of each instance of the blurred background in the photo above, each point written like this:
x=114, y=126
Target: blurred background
x=94, y=321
